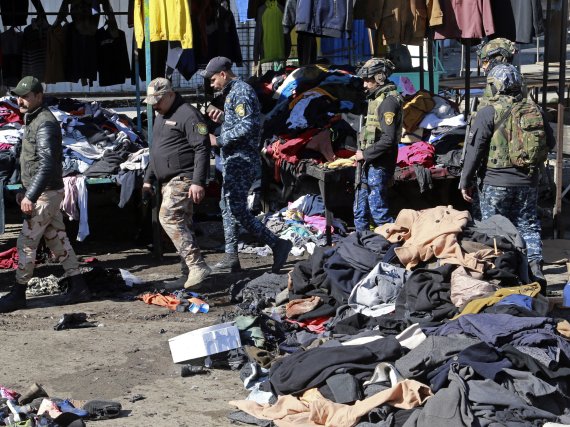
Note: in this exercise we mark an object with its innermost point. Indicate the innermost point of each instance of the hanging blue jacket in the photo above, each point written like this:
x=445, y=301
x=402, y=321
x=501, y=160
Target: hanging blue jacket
x=329, y=18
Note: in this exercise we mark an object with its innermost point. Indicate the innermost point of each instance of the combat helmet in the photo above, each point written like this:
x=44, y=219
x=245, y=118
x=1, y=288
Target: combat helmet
x=505, y=79
x=376, y=66
x=500, y=50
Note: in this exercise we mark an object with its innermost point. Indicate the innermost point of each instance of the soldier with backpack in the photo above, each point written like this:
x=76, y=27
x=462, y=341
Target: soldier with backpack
x=508, y=140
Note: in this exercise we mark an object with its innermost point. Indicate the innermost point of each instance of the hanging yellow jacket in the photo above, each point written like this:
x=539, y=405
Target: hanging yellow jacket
x=168, y=20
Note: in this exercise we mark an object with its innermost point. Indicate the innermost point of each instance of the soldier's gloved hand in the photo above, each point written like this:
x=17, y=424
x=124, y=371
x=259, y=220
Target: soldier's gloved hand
x=196, y=193
x=467, y=194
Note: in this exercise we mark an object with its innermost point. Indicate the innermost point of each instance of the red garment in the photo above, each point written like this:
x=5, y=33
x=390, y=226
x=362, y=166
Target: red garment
x=465, y=20
x=167, y=301
x=9, y=258
x=419, y=153
x=9, y=114
x=316, y=324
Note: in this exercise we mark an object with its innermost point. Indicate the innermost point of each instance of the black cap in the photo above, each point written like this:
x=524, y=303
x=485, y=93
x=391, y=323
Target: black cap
x=217, y=64
x=26, y=85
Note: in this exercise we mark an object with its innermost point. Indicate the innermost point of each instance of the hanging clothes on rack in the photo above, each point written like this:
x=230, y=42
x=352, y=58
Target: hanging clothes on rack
x=465, y=20
x=11, y=41
x=112, y=56
x=216, y=32
x=56, y=50
x=269, y=39
x=34, y=47
x=520, y=20
x=306, y=43
x=168, y=20
x=319, y=18
x=14, y=12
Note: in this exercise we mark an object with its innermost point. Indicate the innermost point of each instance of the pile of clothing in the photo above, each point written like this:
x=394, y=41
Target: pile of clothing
x=97, y=143
x=307, y=121
x=429, y=321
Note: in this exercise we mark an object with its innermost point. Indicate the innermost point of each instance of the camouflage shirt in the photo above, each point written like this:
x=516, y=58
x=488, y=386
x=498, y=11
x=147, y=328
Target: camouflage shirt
x=241, y=129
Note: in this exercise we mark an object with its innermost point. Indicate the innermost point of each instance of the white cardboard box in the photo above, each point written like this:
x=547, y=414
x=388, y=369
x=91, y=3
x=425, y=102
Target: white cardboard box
x=204, y=342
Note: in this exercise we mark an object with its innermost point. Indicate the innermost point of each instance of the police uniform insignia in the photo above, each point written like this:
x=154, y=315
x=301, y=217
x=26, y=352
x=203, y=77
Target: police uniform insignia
x=240, y=110
x=202, y=129
x=389, y=118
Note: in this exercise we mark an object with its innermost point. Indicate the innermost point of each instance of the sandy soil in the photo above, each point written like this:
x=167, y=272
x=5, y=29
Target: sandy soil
x=128, y=354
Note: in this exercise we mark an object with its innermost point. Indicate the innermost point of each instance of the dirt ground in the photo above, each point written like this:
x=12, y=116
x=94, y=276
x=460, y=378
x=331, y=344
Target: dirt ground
x=127, y=356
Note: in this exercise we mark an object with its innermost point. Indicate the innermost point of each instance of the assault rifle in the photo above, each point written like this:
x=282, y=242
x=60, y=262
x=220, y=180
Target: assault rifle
x=472, y=110
x=359, y=164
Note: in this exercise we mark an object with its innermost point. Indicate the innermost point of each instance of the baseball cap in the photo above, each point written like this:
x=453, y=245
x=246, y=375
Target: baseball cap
x=26, y=85
x=217, y=64
x=157, y=89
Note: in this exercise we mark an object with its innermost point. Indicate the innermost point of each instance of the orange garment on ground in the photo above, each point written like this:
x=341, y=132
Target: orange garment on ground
x=289, y=411
x=162, y=300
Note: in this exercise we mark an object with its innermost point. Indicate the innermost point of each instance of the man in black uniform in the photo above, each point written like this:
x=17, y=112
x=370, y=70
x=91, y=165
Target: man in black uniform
x=179, y=161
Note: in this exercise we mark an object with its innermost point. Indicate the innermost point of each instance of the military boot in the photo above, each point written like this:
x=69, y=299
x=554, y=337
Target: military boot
x=197, y=274
x=537, y=275
x=77, y=291
x=14, y=300
x=178, y=283
x=228, y=264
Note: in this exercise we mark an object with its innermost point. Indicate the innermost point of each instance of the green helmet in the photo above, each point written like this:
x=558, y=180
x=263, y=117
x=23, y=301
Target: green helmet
x=499, y=49
x=376, y=66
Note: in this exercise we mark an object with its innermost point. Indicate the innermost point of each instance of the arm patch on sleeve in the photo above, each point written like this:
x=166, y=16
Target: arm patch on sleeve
x=389, y=118
x=240, y=110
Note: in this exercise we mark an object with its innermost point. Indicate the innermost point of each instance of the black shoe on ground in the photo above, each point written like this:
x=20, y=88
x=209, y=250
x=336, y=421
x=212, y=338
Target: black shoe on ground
x=280, y=254
x=228, y=264
x=14, y=300
x=78, y=290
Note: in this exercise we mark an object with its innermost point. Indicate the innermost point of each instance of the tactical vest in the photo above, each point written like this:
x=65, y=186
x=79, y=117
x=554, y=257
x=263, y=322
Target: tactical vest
x=372, y=129
x=499, y=146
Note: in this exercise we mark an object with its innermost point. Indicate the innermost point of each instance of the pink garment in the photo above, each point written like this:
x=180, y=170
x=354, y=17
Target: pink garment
x=69, y=203
x=9, y=258
x=9, y=114
x=5, y=146
x=419, y=153
x=317, y=222
x=471, y=19
x=289, y=411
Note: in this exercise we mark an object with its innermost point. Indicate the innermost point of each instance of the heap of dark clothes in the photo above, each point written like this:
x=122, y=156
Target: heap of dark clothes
x=394, y=329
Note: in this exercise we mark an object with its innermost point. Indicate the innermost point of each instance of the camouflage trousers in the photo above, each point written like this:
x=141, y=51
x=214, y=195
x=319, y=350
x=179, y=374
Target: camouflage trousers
x=371, y=201
x=239, y=175
x=175, y=216
x=519, y=205
x=46, y=221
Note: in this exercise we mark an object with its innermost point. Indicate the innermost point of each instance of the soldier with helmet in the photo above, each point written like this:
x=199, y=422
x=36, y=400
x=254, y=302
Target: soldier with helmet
x=378, y=149
x=496, y=51
x=509, y=187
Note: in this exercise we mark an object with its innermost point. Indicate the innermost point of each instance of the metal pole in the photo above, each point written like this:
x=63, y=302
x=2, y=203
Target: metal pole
x=137, y=86
x=422, y=66
x=545, y=56
x=157, y=243
x=430, y=61
x=558, y=226
x=467, y=58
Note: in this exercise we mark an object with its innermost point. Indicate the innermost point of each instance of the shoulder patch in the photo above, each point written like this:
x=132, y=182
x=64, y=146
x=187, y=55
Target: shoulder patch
x=201, y=128
x=240, y=110
x=389, y=118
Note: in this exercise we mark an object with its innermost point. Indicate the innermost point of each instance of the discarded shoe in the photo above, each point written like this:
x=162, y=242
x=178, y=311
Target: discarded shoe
x=36, y=390
x=280, y=254
x=74, y=321
x=197, y=273
x=78, y=290
x=14, y=300
x=190, y=370
x=102, y=409
x=228, y=264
